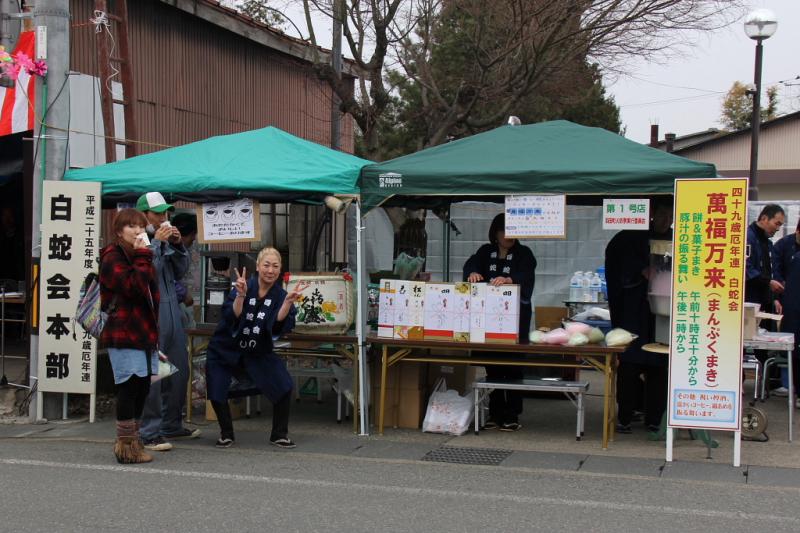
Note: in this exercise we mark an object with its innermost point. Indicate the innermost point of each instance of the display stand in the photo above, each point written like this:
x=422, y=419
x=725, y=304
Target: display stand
x=785, y=345
x=599, y=357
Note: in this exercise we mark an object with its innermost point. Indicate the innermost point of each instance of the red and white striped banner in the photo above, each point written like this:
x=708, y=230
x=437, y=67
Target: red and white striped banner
x=16, y=104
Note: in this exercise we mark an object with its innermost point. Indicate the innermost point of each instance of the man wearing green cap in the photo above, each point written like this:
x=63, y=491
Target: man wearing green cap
x=163, y=411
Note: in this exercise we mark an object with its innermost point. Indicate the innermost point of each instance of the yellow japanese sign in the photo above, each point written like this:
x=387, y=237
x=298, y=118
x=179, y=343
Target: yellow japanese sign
x=707, y=299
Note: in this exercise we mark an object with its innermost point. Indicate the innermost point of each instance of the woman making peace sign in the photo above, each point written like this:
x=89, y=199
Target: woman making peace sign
x=256, y=312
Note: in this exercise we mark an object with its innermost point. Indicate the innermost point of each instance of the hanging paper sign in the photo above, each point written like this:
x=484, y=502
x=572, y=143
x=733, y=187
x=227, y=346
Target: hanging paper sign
x=626, y=213
x=536, y=217
x=705, y=373
x=70, y=241
x=233, y=221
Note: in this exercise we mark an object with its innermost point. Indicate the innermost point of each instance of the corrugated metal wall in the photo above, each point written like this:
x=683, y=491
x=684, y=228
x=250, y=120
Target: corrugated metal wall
x=194, y=79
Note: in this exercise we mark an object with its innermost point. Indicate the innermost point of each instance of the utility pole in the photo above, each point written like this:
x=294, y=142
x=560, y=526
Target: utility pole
x=9, y=23
x=51, y=21
x=336, y=63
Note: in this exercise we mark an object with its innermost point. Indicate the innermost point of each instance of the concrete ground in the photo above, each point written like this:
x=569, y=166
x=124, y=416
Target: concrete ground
x=547, y=440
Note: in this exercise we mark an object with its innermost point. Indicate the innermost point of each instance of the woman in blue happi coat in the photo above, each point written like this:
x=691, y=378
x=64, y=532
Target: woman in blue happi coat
x=255, y=313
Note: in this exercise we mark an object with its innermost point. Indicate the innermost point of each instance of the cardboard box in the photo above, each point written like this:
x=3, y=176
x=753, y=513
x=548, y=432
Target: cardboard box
x=404, y=408
x=402, y=375
x=502, y=314
x=439, y=311
x=405, y=394
x=238, y=409
x=750, y=321
x=457, y=377
x=477, y=316
x=386, y=308
x=550, y=317
x=461, y=312
x=409, y=310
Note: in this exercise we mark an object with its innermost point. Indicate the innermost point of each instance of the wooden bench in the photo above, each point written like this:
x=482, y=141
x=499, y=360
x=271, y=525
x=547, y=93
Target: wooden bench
x=573, y=390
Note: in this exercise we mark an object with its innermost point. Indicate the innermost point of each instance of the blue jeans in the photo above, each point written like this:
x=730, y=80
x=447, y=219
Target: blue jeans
x=163, y=410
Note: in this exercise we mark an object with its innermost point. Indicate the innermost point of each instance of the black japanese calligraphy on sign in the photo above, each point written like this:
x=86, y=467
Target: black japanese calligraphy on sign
x=60, y=247
x=61, y=208
x=58, y=326
x=58, y=287
x=57, y=365
x=311, y=311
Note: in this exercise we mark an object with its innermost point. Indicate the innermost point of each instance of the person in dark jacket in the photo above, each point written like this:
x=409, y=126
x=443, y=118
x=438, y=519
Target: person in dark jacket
x=505, y=261
x=759, y=285
x=163, y=411
x=786, y=271
x=255, y=313
x=627, y=262
x=129, y=291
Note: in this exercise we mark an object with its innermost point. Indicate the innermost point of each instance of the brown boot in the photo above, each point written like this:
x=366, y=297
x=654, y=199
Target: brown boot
x=139, y=447
x=127, y=448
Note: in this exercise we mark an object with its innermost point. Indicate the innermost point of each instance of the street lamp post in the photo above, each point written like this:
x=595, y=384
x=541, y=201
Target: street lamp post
x=758, y=25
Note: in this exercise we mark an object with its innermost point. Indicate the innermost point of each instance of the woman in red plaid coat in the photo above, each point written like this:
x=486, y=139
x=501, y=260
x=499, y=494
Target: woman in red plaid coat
x=129, y=291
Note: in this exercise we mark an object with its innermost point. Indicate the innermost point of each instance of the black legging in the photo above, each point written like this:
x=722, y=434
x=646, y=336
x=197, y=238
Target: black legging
x=505, y=406
x=629, y=392
x=280, y=418
x=131, y=396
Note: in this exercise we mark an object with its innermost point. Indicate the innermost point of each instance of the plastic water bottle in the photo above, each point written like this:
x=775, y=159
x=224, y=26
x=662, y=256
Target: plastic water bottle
x=575, y=290
x=586, y=287
x=596, y=288
x=603, y=286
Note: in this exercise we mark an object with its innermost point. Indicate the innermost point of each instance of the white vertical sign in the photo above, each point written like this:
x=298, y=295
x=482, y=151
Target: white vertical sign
x=71, y=217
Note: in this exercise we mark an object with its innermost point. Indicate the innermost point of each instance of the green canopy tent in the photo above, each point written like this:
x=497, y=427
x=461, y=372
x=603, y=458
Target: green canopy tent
x=557, y=157
x=267, y=164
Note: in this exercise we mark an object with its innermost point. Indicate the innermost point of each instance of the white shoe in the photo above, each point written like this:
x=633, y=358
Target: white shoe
x=783, y=392
x=158, y=444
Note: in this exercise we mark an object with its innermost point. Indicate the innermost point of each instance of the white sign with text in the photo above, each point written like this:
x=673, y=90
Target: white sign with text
x=536, y=216
x=71, y=217
x=626, y=213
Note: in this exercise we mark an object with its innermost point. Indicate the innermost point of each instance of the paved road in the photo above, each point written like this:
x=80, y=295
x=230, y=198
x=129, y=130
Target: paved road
x=62, y=485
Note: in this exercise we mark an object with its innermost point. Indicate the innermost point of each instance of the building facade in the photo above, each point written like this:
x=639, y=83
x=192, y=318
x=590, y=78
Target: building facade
x=778, y=156
x=201, y=69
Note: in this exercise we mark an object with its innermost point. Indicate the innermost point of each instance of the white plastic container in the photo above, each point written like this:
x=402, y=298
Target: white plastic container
x=586, y=287
x=575, y=290
x=596, y=287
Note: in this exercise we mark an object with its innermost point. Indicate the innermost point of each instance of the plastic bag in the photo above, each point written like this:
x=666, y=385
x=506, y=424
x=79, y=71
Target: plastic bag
x=536, y=336
x=448, y=412
x=596, y=335
x=578, y=339
x=619, y=337
x=577, y=327
x=556, y=336
x=407, y=267
x=165, y=368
